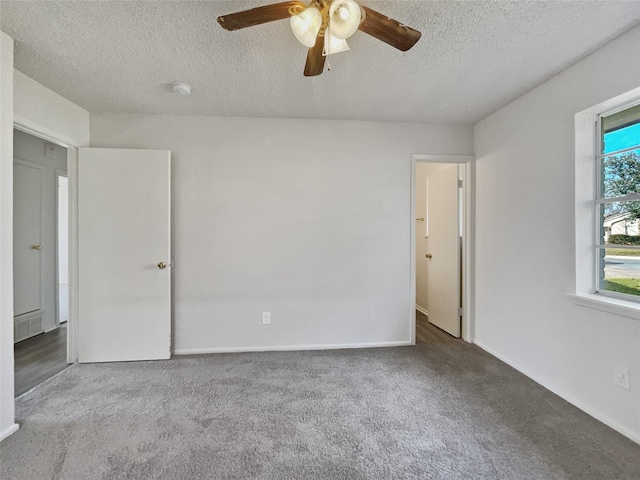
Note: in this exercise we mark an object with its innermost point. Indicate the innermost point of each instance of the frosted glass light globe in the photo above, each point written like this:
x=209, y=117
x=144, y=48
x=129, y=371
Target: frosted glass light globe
x=306, y=26
x=344, y=18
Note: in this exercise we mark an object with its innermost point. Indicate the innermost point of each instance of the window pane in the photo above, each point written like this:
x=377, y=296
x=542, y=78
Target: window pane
x=620, y=271
x=621, y=138
x=620, y=223
x=621, y=174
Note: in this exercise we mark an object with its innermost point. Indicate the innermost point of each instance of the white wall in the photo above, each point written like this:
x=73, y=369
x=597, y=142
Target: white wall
x=525, y=201
x=7, y=424
x=309, y=220
x=38, y=108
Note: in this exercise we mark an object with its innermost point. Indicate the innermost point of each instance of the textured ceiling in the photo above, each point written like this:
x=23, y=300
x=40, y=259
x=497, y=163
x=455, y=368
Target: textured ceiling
x=474, y=57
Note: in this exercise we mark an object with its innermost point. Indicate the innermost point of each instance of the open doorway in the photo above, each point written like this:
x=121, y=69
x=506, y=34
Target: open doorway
x=439, y=249
x=40, y=260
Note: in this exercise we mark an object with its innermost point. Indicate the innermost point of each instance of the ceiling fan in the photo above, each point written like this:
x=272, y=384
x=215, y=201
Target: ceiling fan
x=324, y=26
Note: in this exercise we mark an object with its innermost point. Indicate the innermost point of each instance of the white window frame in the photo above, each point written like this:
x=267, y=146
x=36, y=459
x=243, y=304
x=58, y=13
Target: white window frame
x=600, y=200
x=586, y=141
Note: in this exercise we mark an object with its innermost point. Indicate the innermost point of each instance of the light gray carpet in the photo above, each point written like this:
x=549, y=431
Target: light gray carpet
x=442, y=411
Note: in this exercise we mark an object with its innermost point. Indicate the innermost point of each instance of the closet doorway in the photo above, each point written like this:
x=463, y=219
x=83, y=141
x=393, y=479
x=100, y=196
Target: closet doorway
x=40, y=246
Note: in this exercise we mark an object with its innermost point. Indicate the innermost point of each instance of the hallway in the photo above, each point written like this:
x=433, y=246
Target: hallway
x=428, y=334
x=39, y=358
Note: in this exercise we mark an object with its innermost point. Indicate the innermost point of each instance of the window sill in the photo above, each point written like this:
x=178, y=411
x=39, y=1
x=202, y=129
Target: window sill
x=606, y=304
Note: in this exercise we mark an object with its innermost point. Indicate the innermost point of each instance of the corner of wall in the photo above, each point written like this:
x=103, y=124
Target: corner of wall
x=7, y=406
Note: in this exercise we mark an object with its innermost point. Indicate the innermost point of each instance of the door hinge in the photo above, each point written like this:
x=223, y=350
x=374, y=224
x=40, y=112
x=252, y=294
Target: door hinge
x=460, y=311
x=459, y=183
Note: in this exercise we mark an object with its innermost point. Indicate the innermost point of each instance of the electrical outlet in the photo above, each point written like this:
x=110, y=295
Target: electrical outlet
x=266, y=318
x=621, y=377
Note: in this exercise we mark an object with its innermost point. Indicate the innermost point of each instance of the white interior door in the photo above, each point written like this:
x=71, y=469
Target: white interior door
x=124, y=255
x=27, y=272
x=444, y=246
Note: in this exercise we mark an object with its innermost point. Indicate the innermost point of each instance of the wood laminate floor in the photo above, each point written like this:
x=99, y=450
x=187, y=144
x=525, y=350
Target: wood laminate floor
x=39, y=358
x=427, y=333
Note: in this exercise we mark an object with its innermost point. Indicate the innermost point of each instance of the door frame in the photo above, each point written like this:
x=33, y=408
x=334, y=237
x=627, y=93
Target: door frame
x=72, y=176
x=60, y=173
x=468, y=237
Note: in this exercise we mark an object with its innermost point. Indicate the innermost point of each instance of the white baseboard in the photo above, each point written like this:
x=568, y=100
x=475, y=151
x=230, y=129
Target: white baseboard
x=9, y=431
x=281, y=348
x=574, y=401
x=422, y=310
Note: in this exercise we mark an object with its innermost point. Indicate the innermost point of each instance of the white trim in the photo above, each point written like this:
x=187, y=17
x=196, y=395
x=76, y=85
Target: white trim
x=286, y=348
x=419, y=157
x=9, y=431
x=412, y=252
x=40, y=131
x=635, y=436
x=615, y=306
x=624, y=198
x=602, y=156
x=57, y=174
x=73, y=345
x=422, y=310
x=468, y=245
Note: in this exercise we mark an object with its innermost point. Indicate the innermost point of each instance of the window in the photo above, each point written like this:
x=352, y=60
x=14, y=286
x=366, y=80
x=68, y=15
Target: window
x=617, y=209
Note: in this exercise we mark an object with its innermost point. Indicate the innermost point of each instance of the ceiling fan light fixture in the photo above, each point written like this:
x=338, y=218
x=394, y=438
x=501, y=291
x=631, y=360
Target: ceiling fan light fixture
x=335, y=20
x=306, y=25
x=344, y=18
x=333, y=44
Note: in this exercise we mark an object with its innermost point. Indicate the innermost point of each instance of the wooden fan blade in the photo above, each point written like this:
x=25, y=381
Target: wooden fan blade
x=315, y=59
x=389, y=30
x=259, y=15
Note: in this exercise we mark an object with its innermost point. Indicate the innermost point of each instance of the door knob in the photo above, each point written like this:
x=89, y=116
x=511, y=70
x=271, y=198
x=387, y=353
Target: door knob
x=428, y=255
x=36, y=247
x=162, y=265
